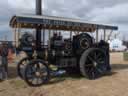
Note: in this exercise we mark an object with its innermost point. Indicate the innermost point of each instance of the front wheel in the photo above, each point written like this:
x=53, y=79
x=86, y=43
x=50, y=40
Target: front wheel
x=93, y=63
x=21, y=66
x=37, y=73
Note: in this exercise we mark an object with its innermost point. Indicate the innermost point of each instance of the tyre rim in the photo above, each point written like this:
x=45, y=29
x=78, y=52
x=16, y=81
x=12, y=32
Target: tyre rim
x=68, y=46
x=96, y=64
x=84, y=43
x=37, y=73
x=22, y=66
x=30, y=39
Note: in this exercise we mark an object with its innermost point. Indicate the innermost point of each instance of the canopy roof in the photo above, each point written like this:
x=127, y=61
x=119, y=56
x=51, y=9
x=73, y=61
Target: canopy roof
x=57, y=23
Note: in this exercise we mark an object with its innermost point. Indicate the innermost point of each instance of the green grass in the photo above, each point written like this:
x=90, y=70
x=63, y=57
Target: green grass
x=125, y=56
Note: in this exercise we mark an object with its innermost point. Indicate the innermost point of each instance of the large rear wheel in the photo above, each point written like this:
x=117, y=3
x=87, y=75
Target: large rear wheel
x=37, y=73
x=93, y=63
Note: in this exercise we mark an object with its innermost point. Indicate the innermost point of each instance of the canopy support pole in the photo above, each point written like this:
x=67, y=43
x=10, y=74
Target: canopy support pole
x=104, y=34
x=71, y=35
x=43, y=37
x=15, y=36
x=49, y=41
x=97, y=35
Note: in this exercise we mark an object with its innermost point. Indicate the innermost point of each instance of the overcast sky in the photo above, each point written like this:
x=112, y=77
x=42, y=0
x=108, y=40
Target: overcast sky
x=100, y=11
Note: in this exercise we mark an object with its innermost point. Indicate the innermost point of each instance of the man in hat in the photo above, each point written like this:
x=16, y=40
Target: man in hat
x=4, y=61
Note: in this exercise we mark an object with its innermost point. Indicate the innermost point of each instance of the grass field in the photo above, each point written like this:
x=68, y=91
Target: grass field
x=115, y=84
x=125, y=55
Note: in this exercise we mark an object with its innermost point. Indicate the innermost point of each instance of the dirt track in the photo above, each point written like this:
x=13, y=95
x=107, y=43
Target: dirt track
x=116, y=84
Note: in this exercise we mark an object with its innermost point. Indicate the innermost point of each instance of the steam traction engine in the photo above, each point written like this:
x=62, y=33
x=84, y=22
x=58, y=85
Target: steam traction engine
x=79, y=53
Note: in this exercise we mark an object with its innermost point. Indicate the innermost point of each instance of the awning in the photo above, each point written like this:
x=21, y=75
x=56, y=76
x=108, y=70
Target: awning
x=56, y=23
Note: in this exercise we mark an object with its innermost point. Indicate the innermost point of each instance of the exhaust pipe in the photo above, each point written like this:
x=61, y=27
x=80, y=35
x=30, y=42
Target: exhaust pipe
x=38, y=30
x=38, y=7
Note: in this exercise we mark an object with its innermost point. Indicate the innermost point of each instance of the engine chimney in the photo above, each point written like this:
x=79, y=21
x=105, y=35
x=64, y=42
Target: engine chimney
x=38, y=30
x=38, y=7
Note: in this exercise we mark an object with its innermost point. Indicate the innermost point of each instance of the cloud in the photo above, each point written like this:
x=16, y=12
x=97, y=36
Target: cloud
x=22, y=4
x=99, y=11
x=105, y=3
x=116, y=15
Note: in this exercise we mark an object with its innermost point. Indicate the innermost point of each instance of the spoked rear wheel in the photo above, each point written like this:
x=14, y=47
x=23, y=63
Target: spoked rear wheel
x=21, y=66
x=37, y=73
x=93, y=63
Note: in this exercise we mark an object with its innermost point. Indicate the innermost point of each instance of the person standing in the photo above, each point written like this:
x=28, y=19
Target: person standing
x=4, y=61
